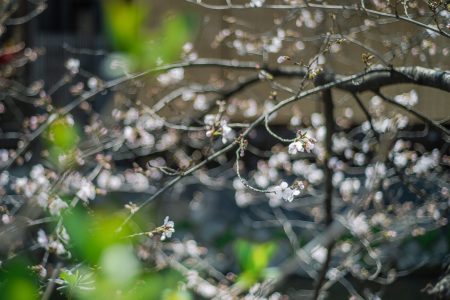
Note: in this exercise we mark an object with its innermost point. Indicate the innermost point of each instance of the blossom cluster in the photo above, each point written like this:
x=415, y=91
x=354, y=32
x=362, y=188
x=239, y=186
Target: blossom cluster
x=303, y=143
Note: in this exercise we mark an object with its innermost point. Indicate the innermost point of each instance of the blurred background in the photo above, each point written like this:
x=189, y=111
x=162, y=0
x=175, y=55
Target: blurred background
x=113, y=38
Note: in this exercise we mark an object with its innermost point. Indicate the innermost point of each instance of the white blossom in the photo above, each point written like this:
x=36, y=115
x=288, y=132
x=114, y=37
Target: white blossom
x=129, y=134
x=375, y=172
x=56, y=206
x=319, y=253
x=315, y=176
x=359, y=159
x=42, y=238
x=283, y=192
x=171, y=77
x=340, y=143
x=333, y=274
x=188, y=95
x=131, y=116
x=93, y=83
x=56, y=247
x=6, y=219
x=106, y=180
x=275, y=45
x=349, y=186
x=296, y=120
x=149, y=122
x=426, y=162
x=167, y=140
x=337, y=178
x=278, y=160
x=86, y=191
x=137, y=181
x=401, y=159
x=227, y=132
x=146, y=139
x=257, y=3
x=251, y=109
x=42, y=199
x=300, y=45
x=168, y=228
x=4, y=178
x=200, y=102
x=296, y=147
x=4, y=155
x=50, y=244
x=358, y=224
x=209, y=120
x=73, y=65
x=283, y=58
x=407, y=99
x=316, y=120
x=302, y=144
x=37, y=171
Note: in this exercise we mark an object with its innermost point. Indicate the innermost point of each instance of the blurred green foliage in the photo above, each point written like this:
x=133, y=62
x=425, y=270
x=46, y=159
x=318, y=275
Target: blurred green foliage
x=17, y=281
x=85, y=285
x=253, y=260
x=111, y=269
x=91, y=233
x=63, y=135
x=127, y=24
x=62, y=140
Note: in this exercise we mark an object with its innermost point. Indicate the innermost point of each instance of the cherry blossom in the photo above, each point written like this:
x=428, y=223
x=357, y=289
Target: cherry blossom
x=86, y=191
x=302, y=144
x=57, y=205
x=283, y=192
x=168, y=228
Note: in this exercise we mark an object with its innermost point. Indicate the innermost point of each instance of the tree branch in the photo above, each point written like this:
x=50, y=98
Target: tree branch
x=328, y=200
x=415, y=113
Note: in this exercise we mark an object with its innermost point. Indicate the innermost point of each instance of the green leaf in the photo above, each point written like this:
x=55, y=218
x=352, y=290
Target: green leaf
x=21, y=289
x=125, y=21
x=253, y=259
x=176, y=295
x=92, y=234
x=17, y=281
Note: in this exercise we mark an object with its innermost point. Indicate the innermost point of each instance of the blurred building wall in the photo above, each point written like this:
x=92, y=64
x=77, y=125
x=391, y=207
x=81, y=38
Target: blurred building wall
x=78, y=24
